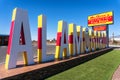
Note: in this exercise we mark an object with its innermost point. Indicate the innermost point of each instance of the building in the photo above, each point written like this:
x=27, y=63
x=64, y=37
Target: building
x=4, y=40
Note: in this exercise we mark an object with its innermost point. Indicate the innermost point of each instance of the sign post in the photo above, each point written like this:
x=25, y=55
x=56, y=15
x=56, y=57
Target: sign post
x=107, y=35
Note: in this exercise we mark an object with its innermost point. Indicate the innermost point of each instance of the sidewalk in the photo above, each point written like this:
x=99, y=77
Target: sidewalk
x=116, y=75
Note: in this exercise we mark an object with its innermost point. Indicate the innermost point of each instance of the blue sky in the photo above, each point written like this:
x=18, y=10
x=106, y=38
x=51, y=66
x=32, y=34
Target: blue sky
x=72, y=11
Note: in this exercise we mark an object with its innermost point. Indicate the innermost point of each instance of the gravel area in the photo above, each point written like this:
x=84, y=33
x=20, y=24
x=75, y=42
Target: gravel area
x=3, y=51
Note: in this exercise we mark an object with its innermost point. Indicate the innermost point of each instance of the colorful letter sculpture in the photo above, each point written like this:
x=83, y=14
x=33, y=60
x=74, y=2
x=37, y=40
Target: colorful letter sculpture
x=75, y=36
x=19, y=40
x=42, y=56
x=80, y=37
x=70, y=34
x=92, y=40
x=104, y=40
x=87, y=40
x=62, y=49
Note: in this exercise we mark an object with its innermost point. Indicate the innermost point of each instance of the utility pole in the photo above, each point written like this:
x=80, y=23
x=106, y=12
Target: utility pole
x=113, y=37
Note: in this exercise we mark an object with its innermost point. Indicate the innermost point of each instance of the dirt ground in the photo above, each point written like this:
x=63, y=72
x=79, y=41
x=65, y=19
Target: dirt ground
x=3, y=51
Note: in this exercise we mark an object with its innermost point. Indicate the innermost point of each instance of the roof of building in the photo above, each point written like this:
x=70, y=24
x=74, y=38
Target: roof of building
x=4, y=35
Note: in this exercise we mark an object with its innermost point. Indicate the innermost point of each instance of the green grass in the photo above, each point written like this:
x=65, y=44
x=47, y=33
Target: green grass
x=100, y=68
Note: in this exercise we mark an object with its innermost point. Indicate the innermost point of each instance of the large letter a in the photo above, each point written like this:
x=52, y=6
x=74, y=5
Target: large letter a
x=19, y=40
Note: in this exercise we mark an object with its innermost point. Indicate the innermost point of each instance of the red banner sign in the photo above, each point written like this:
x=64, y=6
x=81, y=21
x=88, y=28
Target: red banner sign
x=100, y=28
x=100, y=19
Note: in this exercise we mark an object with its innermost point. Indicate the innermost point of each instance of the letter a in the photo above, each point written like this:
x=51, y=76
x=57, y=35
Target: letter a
x=62, y=49
x=19, y=40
